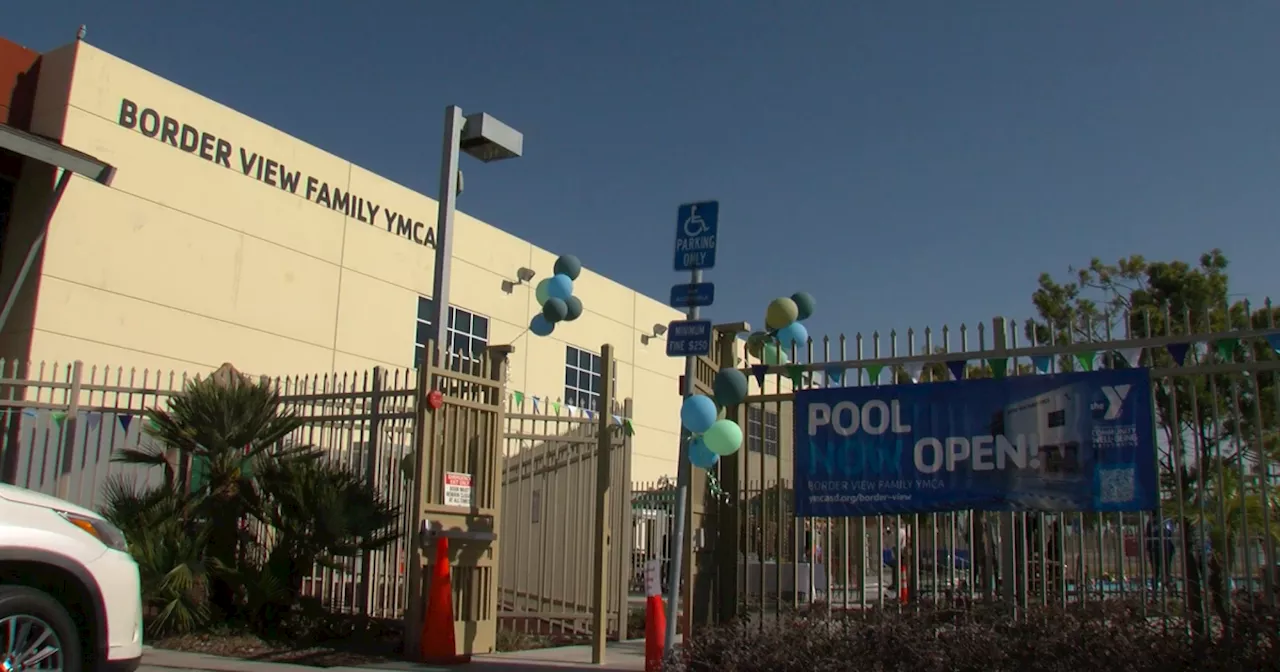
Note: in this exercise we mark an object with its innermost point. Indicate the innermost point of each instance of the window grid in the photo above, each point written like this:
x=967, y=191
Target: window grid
x=762, y=431
x=467, y=335
x=582, y=378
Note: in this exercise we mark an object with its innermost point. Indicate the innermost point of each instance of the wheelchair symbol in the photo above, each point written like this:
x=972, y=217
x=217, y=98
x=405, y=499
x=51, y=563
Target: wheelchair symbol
x=694, y=226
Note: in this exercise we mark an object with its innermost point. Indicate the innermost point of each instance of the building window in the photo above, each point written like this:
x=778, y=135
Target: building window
x=466, y=337
x=762, y=431
x=582, y=379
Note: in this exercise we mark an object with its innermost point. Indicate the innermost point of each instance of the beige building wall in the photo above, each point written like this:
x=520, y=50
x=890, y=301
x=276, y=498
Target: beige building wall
x=242, y=244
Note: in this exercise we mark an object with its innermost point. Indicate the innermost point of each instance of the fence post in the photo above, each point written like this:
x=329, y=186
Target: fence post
x=69, y=426
x=423, y=443
x=1008, y=572
x=604, y=474
x=726, y=515
x=364, y=600
x=626, y=529
x=17, y=394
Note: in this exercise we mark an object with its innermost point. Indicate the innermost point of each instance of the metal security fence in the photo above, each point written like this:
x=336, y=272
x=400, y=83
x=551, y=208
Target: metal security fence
x=62, y=423
x=365, y=422
x=1210, y=547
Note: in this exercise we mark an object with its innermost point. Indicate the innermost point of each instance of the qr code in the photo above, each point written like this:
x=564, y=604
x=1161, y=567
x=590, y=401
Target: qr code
x=1116, y=485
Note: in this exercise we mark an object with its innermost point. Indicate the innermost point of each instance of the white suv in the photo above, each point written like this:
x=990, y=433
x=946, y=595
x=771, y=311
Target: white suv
x=70, y=599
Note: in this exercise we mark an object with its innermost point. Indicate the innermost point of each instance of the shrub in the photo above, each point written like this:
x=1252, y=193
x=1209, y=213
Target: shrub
x=1096, y=637
x=199, y=558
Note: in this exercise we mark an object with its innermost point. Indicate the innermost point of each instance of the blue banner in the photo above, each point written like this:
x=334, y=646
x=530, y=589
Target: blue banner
x=1068, y=442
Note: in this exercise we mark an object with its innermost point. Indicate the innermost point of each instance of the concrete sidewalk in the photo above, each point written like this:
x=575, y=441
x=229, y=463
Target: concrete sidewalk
x=627, y=655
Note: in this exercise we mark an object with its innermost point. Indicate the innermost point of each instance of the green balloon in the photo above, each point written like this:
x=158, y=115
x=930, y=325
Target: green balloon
x=555, y=310
x=781, y=312
x=540, y=292
x=804, y=305
x=773, y=355
x=568, y=265
x=755, y=343
x=723, y=438
x=730, y=387
x=575, y=308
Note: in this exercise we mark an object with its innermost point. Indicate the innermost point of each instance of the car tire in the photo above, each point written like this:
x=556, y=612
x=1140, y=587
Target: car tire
x=18, y=601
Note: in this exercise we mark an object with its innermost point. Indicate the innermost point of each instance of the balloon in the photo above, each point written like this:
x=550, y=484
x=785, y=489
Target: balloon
x=730, y=387
x=723, y=437
x=698, y=413
x=700, y=455
x=568, y=265
x=555, y=310
x=559, y=286
x=793, y=333
x=756, y=342
x=574, y=304
x=541, y=292
x=804, y=305
x=773, y=355
x=781, y=312
x=540, y=326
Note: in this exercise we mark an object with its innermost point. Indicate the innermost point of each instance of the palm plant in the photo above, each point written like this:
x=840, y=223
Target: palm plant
x=320, y=514
x=1222, y=511
x=169, y=551
x=244, y=469
x=228, y=428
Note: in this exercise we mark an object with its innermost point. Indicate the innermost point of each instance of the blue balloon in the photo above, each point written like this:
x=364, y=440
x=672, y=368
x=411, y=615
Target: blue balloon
x=701, y=456
x=560, y=287
x=793, y=333
x=541, y=326
x=698, y=413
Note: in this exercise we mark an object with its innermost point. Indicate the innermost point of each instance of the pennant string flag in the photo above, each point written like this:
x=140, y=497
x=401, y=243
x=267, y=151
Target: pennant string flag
x=796, y=373
x=59, y=417
x=1179, y=352
x=627, y=427
x=93, y=420
x=957, y=367
x=759, y=371
x=518, y=396
x=1274, y=341
x=536, y=404
x=1043, y=363
x=1131, y=356
x=873, y=373
x=914, y=369
x=555, y=406
x=1227, y=348
x=999, y=366
x=618, y=420
x=836, y=373
x=125, y=420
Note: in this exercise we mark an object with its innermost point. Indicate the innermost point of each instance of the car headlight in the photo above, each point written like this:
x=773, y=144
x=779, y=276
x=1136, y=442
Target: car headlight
x=108, y=534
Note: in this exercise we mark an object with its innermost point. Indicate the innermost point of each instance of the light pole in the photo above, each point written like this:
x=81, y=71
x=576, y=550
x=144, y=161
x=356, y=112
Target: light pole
x=488, y=140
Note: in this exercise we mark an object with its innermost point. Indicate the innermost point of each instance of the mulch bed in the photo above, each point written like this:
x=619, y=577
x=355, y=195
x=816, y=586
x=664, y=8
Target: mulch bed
x=251, y=647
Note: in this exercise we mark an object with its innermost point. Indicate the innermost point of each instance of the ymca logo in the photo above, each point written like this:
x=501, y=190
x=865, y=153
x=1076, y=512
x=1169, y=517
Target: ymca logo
x=1114, y=396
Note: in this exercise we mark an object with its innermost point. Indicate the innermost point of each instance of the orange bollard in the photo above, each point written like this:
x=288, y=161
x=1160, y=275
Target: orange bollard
x=903, y=595
x=655, y=619
x=439, y=646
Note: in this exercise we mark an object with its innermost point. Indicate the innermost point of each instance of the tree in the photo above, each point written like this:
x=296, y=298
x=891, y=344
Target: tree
x=1218, y=431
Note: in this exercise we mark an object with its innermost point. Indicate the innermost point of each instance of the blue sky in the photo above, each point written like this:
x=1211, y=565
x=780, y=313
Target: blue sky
x=908, y=163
